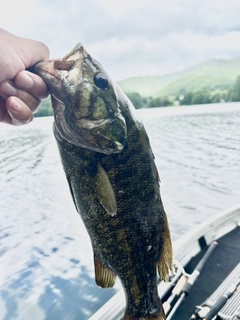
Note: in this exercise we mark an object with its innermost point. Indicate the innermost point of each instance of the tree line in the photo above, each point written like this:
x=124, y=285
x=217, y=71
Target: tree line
x=189, y=98
x=205, y=96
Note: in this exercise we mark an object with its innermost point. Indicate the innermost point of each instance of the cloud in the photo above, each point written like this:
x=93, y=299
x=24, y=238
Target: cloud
x=134, y=37
x=171, y=53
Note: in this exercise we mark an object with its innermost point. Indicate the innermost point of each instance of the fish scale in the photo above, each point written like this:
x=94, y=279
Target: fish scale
x=110, y=168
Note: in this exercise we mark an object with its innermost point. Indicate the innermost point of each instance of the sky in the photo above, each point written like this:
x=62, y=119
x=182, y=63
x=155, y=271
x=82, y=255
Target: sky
x=131, y=37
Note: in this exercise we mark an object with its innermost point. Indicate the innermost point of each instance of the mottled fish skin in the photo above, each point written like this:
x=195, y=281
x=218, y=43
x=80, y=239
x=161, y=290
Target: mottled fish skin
x=113, y=179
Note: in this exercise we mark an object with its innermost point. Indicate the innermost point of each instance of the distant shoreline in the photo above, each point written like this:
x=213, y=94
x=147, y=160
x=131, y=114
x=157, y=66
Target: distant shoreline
x=183, y=110
x=191, y=109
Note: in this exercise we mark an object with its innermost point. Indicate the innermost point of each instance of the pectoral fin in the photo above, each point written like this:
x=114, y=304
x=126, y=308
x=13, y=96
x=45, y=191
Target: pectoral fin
x=165, y=262
x=103, y=276
x=104, y=191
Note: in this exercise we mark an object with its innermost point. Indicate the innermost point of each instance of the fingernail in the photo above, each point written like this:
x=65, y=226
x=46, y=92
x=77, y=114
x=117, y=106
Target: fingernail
x=21, y=122
x=9, y=90
x=16, y=107
x=27, y=82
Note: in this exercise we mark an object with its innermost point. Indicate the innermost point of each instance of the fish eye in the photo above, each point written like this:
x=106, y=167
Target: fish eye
x=101, y=81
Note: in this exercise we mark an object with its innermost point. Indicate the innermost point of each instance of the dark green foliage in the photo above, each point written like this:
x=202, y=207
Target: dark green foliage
x=158, y=102
x=234, y=91
x=189, y=98
x=45, y=109
x=206, y=96
x=214, y=75
x=141, y=102
x=203, y=97
x=138, y=101
x=219, y=97
x=199, y=97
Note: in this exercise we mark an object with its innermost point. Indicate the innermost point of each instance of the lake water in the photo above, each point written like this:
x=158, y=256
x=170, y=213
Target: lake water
x=46, y=268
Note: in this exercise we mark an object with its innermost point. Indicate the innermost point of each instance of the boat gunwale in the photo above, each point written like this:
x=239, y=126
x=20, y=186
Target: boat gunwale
x=211, y=229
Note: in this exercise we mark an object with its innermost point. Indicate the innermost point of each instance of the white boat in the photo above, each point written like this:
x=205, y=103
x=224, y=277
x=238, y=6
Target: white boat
x=218, y=274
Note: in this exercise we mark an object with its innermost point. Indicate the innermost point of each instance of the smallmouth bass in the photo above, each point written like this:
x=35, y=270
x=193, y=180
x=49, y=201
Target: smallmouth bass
x=113, y=179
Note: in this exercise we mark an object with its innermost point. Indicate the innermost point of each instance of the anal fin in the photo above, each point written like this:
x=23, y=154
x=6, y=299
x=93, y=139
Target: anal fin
x=165, y=261
x=104, y=277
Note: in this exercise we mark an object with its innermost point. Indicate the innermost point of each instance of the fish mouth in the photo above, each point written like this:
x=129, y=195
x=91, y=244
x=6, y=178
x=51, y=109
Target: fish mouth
x=55, y=70
x=96, y=128
x=63, y=78
x=51, y=76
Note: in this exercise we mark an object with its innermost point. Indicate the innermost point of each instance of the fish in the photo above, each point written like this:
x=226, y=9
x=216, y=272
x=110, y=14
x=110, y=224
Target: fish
x=113, y=179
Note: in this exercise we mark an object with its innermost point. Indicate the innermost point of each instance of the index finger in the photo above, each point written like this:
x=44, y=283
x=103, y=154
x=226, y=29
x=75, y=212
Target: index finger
x=31, y=83
x=33, y=52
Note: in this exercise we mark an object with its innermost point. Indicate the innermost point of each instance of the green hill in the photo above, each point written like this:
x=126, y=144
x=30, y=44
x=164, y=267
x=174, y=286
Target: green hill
x=147, y=86
x=213, y=75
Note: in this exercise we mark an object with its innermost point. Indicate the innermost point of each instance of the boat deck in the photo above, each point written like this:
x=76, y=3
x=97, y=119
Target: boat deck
x=189, y=250
x=220, y=264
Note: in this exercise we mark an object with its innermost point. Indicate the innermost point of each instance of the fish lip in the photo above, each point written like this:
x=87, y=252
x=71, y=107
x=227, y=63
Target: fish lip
x=44, y=68
x=47, y=67
x=54, y=73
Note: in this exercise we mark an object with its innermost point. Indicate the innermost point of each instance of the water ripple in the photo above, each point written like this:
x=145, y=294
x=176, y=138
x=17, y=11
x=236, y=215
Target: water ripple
x=46, y=256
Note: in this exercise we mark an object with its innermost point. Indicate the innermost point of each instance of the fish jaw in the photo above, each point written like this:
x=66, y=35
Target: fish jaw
x=51, y=77
x=59, y=73
x=86, y=115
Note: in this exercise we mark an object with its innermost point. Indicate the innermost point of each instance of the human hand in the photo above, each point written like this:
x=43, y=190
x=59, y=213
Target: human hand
x=21, y=91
